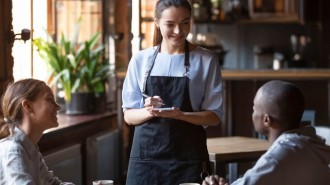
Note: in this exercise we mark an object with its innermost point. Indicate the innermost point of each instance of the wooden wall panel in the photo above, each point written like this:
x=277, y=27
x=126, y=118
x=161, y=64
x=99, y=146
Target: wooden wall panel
x=123, y=32
x=6, y=44
x=243, y=92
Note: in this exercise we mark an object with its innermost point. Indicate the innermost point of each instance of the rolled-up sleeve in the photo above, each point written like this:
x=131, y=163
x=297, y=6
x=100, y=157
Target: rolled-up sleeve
x=206, y=92
x=213, y=97
x=131, y=93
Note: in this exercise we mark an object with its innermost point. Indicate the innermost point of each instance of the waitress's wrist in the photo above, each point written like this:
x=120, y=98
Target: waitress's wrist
x=148, y=113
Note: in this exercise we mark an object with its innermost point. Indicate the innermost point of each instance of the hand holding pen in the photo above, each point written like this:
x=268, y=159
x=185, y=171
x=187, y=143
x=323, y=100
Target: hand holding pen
x=214, y=180
x=154, y=101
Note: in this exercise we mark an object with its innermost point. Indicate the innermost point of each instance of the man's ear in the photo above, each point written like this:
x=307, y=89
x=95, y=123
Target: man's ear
x=26, y=105
x=267, y=120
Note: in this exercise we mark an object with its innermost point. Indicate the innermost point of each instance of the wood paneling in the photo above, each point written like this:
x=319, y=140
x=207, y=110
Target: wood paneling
x=123, y=26
x=75, y=130
x=325, y=33
x=6, y=60
x=243, y=92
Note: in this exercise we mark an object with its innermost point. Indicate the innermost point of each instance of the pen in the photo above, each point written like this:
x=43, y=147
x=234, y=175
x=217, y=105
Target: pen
x=147, y=96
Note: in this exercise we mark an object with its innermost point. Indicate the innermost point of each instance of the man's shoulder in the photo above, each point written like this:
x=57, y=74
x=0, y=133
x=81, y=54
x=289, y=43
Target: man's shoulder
x=291, y=147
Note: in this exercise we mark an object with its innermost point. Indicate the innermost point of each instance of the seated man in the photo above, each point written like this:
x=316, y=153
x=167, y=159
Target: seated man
x=297, y=155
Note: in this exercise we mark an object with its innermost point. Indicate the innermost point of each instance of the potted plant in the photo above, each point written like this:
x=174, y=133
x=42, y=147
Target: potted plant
x=79, y=68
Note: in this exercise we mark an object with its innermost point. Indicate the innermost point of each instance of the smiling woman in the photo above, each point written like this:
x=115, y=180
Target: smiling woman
x=171, y=144
x=28, y=109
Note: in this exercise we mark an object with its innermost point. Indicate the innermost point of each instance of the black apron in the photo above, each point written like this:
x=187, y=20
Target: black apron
x=164, y=150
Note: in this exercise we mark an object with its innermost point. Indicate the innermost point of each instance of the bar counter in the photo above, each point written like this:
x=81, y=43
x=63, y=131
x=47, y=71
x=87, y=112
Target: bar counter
x=66, y=121
x=76, y=128
x=285, y=74
x=75, y=149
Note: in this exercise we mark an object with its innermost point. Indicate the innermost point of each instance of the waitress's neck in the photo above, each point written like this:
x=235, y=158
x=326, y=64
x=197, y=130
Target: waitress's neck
x=172, y=49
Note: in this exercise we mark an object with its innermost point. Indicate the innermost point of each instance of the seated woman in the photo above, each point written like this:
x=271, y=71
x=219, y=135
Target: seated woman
x=28, y=109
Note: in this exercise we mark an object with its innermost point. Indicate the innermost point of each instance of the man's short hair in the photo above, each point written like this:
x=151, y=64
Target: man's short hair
x=287, y=99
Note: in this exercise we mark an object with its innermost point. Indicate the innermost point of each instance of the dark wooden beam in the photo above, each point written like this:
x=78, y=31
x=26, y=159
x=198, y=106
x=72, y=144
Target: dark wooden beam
x=6, y=44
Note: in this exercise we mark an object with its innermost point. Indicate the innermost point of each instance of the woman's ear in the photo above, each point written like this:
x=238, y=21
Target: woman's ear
x=26, y=106
x=156, y=21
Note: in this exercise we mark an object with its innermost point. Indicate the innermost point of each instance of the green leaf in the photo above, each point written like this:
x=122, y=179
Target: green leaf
x=79, y=67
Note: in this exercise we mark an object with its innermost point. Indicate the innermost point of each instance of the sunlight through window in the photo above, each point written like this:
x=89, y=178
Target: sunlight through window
x=26, y=62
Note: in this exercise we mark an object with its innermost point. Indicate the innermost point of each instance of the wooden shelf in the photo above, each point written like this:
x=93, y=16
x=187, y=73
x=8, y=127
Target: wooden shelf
x=288, y=74
x=147, y=19
x=75, y=129
x=284, y=74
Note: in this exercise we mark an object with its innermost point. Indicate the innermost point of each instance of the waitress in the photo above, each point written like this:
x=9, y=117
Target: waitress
x=169, y=146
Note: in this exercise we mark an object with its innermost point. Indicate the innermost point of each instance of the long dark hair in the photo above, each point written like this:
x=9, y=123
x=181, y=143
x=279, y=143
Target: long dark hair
x=160, y=6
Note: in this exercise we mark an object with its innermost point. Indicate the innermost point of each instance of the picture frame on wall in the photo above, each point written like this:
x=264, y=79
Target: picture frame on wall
x=274, y=9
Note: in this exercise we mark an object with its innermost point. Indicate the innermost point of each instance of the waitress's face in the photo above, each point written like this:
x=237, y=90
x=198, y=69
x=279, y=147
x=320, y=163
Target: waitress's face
x=174, y=25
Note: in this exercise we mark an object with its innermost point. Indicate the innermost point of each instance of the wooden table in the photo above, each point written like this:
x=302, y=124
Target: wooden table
x=231, y=150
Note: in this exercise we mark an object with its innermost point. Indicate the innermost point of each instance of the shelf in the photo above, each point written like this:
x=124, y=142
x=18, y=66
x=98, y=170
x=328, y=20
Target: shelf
x=213, y=22
x=270, y=21
x=251, y=21
x=265, y=74
x=284, y=74
x=147, y=19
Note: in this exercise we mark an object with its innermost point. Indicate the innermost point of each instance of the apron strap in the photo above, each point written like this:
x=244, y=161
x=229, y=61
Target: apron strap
x=186, y=59
x=186, y=64
x=147, y=74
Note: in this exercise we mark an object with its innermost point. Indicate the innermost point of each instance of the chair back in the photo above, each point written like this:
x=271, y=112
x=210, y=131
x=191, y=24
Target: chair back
x=323, y=131
x=308, y=117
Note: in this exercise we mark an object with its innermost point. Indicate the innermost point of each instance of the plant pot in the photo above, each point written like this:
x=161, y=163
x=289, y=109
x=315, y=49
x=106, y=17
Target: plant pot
x=81, y=103
x=86, y=103
x=100, y=102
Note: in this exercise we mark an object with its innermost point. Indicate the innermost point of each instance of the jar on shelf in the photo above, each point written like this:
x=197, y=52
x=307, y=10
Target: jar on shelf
x=201, y=10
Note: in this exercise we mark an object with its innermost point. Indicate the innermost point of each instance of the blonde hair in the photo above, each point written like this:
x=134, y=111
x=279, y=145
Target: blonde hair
x=11, y=103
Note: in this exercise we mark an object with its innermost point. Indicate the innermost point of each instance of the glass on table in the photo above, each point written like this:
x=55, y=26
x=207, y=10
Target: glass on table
x=103, y=182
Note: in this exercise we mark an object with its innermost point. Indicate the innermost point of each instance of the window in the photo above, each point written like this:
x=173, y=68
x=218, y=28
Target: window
x=67, y=13
x=57, y=17
x=22, y=52
x=142, y=24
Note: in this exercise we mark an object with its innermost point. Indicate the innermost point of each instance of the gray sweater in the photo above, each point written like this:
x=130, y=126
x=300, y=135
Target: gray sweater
x=21, y=162
x=296, y=157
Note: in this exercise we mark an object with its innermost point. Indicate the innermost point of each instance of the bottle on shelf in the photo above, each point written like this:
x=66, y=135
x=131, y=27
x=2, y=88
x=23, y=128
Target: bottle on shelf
x=201, y=10
x=298, y=45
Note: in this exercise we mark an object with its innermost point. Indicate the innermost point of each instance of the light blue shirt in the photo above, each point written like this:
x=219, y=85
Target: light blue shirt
x=205, y=82
x=21, y=163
